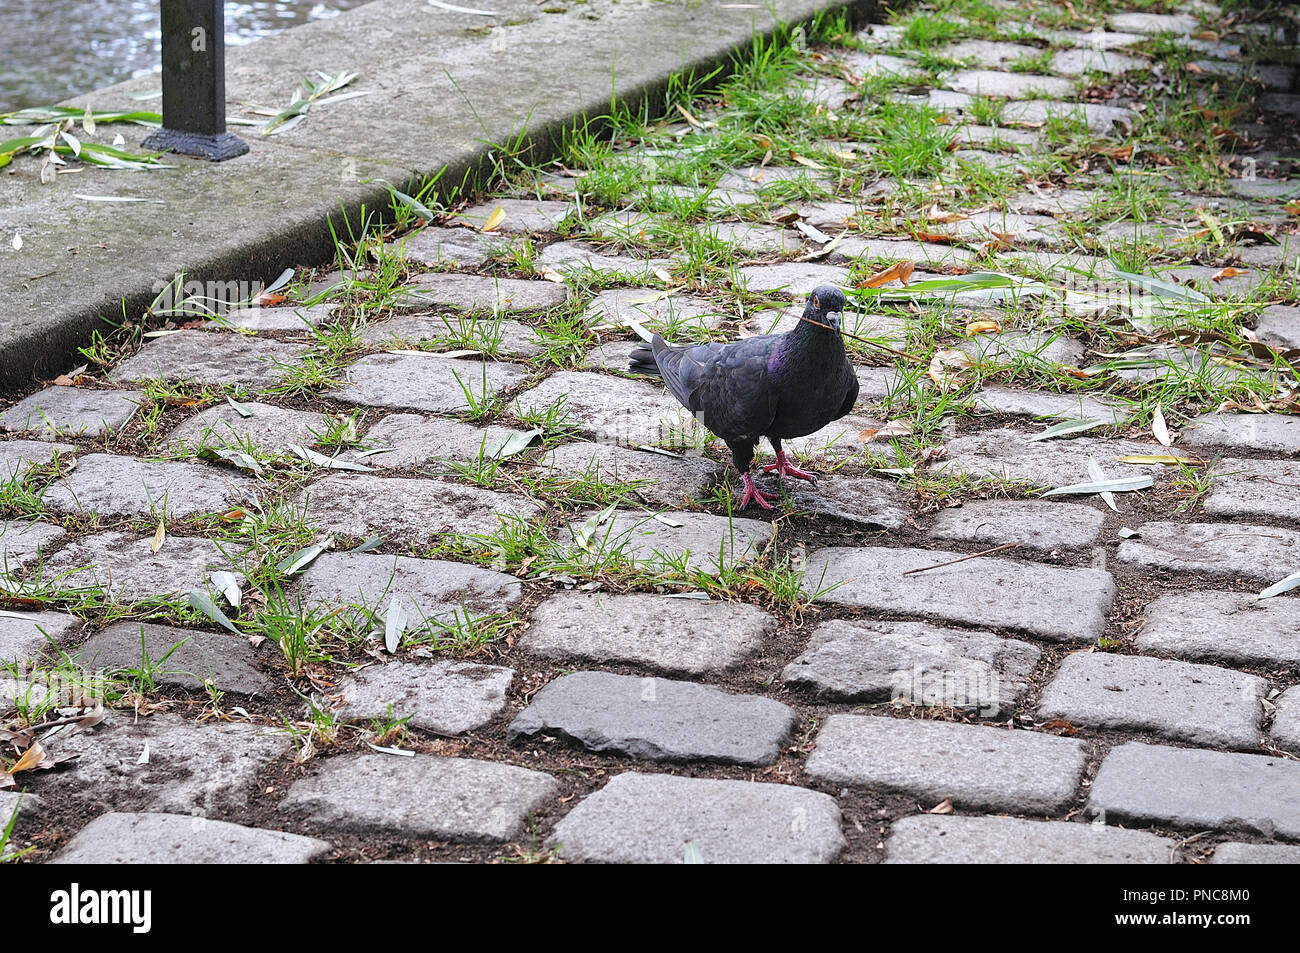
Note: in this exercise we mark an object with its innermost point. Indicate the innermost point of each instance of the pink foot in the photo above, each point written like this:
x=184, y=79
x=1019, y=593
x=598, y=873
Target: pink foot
x=784, y=467
x=751, y=493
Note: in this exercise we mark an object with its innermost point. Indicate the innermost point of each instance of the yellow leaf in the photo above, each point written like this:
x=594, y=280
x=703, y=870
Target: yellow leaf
x=688, y=117
x=159, y=535
x=31, y=758
x=984, y=326
x=1229, y=272
x=804, y=160
x=763, y=141
x=663, y=276
x=495, y=219
x=898, y=271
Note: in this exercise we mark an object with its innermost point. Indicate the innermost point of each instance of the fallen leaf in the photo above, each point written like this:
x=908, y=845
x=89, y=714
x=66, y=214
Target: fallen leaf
x=1110, y=486
x=550, y=274
x=686, y=114
x=943, y=807
x=159, y=536
x=1229, y=272
x=1160, y=429
x=1148, y=459
x=1286, y=585
x=394, y=625
x=895, y=428
x=805, y=161
x=946, y=368
x=899, y=271
x=17, y=242
x=1066, y=427
x=495, y=219
x=983, y=326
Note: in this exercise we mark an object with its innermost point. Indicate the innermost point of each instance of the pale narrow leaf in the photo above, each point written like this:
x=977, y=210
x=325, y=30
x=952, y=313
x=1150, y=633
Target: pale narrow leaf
x=244, y=410
x=159, y=537
x=1286, y=585
x=1113, y=486
x=1160, y=429
x=228, y=585
x=201, y=602
x=394, y=625
x=1066, y=427
x=1100, y=476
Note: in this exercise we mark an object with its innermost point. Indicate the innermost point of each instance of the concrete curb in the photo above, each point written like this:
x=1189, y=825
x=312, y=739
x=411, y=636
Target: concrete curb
x=445, y=85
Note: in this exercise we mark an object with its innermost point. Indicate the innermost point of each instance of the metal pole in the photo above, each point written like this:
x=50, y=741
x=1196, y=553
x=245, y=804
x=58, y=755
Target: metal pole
x=194, y=82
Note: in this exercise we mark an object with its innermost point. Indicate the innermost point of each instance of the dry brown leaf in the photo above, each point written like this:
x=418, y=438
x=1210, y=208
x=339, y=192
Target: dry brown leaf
x=763, y=141
x=1229, y=272
x=983, y=326
x=943, y=807
x=550, y=274
x=688, y=117
x=934, y=237
x=895, y=428
x=33, y=758
x=898, y=271
x=946, y=368
x=1061, y=725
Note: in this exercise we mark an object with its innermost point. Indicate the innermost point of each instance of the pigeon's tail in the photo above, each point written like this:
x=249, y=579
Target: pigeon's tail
x=642, y=361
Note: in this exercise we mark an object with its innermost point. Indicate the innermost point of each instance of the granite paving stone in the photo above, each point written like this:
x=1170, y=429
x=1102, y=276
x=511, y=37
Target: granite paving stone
x=1008, y=455
x=1045, y=405
x=656, y=719
x=456, y=799
x=1008, y=840
x=1102, y=120
x=273, y=319
x=653, y=309
x=990, y=53
x=23, y=543
x=211, y=358
x=913, y=662
x=1265, y=553
x=1035, y=524
x=435, y=247
x=1255, y=489
x=447, y=698
x=1181, y=701
x=579, y=258
x=226, y=660
x=426, y=382
x=704, y=538
x=165, y=762
x=795, y=279
x=110, y=485
x=1236, y=853
x=62, y=411
x=659, y=818
x=268, y=427
x=1196, y=789
x=1262, y=433
x=1230, y=627
x=1061, y=604
x=404, y=440
x=1002, y=85
x=521, y=215
x=659, y=480
x=484, y=293
x=1154, y=23
x=502, y=337
x=654, y=632
x=866, y=502
x=25, y=636
x=122, y=838
x=16, y=456
x=991, y=769
x=1279, y=326
x=410, y=512
x=614, y=410
x=429, y=590
x=1285, y=732
x=1080, y=61
x=125, y=566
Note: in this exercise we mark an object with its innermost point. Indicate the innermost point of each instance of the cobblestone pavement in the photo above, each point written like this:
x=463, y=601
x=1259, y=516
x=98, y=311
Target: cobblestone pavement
x=403, y=565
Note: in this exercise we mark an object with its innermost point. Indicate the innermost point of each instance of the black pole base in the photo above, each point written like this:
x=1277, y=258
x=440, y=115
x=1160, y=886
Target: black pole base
x=217, y=148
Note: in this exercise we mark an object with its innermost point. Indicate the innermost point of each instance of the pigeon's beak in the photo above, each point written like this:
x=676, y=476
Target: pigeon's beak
x=834, y=319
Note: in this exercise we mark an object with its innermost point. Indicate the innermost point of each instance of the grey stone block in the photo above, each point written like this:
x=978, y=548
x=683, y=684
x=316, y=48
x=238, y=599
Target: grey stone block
x=1056, y=603
x=702, y=539
x=1266, y=490
x=657, y=719
x=414, y=440
x=1265, y=553
x=183, y=839
x=1034, y=524
x=16, y=456
x=110, y=485
x=1286, y=720
x=991, y=769
x=124, y=565
x=1228, y=627
x=211, y=358
x=1263, y=433
x=1007, y=455
x=660, y=633
x=1007, y=840
x=449, y=698
x=659, y=819
x=270, y=428
x=60, y=411
x=24, y=543
x=428, y=382
x=225, y=659
x=1176, y=700
x=25, y=636
x=664, y=481
x=1235, y=853
x=456, y=799
x=485, y=293
x=1198, y=789
x=913, y=662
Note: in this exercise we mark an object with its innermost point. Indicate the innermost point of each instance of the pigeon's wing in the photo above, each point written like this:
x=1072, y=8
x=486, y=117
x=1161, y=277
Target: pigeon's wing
x=850, y=396
x=725, y=385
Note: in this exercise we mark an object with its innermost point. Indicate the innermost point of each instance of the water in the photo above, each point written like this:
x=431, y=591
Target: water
x=53, y=49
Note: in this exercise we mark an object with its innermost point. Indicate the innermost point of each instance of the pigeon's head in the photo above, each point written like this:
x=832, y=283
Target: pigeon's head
x=826, y=306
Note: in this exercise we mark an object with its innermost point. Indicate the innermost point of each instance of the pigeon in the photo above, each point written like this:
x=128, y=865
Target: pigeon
x=776, y=386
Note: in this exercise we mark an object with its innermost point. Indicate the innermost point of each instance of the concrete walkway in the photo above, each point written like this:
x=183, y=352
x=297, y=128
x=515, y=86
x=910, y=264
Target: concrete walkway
x=485, y=596
x=446, y=87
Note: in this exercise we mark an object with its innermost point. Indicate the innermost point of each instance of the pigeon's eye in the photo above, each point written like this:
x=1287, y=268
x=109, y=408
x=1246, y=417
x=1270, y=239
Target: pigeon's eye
x=816, y=303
